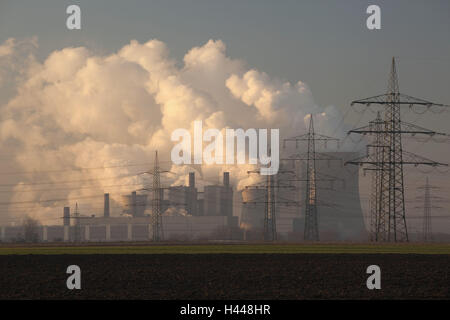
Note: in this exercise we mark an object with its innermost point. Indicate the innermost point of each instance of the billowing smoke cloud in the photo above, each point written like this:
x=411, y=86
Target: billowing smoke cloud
x=80, y=110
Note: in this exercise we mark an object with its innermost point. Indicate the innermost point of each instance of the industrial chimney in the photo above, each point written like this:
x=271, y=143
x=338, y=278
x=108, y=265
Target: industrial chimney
x=66, y=216
x=226, y=179
x=106, y=206
x=192, y=179
x=133, y=204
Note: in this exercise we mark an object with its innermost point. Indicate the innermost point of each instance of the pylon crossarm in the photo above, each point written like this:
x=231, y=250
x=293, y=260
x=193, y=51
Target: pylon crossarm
x=314, y=179
x=310, y=136
x=152, y=172
x=369, y=128
x=414, y=159
x=407, y=128
x=379, y=99
x=360, y=163
x=383, y=99
x=307, y=136
x=285, y=203
x=319, y=156
x=279, y=171
x=415, y=129
x=265, y=187
x=417, y=101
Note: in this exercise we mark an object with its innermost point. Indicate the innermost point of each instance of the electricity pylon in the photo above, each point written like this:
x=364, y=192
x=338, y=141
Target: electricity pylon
x=391, y=225
x=76, y=217
x=270, y=226
x=156, y=216
x=311, y=231
x=377, y=223
x=427, y=233
x=77, y=227
x=157, y=199
x=271, y=201
x=375, y=154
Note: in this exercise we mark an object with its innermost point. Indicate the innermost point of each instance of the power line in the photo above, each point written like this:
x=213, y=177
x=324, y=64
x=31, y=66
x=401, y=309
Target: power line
x=311, y=232
x=388, y=158
x=64, y=181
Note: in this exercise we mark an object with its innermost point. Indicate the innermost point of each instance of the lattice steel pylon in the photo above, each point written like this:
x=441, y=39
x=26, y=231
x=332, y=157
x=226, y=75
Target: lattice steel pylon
x=157, y=191
x=375, y=154
x=311, y=223
x=271, y=201
x=270, y=225
x=392, y=180
x=428, y=206
x=311, y=231
x=156, y=218
x=377, y=221
x=77, y=227
x=391, y=198
x=427, y=233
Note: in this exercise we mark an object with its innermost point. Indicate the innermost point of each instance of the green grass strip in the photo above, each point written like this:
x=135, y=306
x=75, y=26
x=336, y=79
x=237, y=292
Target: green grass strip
x=230, y=249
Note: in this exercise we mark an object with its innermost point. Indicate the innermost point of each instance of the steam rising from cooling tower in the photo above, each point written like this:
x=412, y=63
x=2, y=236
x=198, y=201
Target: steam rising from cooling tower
x=77, y=109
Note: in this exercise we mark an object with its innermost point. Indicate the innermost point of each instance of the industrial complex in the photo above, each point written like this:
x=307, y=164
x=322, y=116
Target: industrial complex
x=188, y=214
x=314, y=196
x=196, y=216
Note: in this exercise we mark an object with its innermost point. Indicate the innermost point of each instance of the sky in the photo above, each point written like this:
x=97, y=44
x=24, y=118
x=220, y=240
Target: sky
x=324, y=44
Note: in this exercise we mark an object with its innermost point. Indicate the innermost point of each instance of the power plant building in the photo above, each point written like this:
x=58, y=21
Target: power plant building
x=198, y=222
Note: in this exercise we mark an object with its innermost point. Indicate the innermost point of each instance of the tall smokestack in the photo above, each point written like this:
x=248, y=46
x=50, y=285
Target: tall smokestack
x=192, y=179
x=226, y=179
x=66, y=216
x=133, y=204
x=106, y=206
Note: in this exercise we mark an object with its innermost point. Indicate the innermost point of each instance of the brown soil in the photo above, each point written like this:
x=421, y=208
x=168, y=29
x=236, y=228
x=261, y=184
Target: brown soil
x=226, y=276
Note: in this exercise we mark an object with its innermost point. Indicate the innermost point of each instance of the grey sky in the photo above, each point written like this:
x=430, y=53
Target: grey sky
x=323, y=43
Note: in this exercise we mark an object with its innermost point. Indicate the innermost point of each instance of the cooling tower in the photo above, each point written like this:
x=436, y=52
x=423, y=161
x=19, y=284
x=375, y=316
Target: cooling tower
x=252, y=213
x=340, y=215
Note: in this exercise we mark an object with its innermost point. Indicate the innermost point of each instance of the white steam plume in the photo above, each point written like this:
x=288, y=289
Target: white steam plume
x=78, y=110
